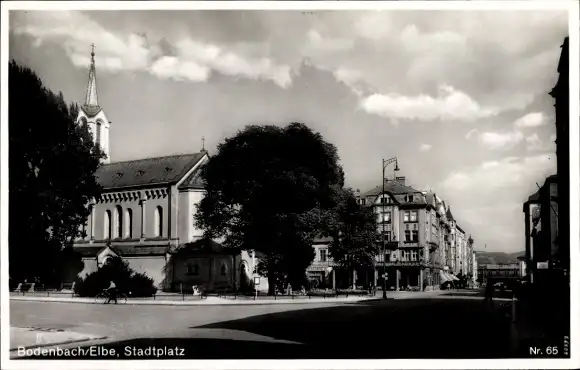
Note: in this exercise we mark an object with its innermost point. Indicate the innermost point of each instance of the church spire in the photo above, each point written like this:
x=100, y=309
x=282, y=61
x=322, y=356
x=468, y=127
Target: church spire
x=91, y=99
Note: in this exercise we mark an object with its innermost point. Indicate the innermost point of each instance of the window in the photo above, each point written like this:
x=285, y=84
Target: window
x=388, y=236
x=118, y=222
x=406, y=216
x=363, y=201
x=128, y=223
x=413, y=255
x=98, y=134
x=385, y=200
x=107, y=228
x=415, y=235
x=413, y=216
x=407, y=235
x=323, y=255
x=387, y=217
x=158, y=221
x=406, y=256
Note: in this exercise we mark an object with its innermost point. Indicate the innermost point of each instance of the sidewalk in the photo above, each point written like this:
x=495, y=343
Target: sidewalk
x=217, y=301
x=26, y=338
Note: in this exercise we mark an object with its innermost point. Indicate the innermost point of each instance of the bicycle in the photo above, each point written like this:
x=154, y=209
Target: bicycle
x=103, y=297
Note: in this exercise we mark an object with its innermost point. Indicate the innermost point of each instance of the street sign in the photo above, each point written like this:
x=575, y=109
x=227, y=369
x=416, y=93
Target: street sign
x=257, y=280
x=543, y=265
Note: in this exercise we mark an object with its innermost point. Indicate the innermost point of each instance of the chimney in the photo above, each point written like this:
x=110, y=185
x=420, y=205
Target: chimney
x=400, y=179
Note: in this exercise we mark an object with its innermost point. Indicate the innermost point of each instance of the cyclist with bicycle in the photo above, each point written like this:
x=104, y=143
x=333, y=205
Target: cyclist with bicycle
x=112, y=290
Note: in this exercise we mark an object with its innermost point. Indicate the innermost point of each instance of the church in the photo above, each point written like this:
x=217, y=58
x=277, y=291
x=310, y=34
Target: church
x=145, y=215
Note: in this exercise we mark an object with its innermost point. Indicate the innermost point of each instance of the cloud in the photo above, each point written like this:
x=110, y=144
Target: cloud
x=451, y=104
x=187, y=60
x=494, y=140
x=531, y=120
x=509, y=172
x=172, y=68
x=533, y=142
x=470, y=133
x=425, y=147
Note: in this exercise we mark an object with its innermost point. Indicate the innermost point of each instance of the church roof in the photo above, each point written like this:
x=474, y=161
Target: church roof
x=150, y=171
x=91, y=110
x=194, y=180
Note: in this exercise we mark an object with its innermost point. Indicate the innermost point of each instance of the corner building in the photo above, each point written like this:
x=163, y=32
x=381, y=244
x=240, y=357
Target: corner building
x=409, y=222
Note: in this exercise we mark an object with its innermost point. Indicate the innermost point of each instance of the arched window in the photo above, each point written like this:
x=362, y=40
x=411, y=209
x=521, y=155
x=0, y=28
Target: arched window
x=159, y=221
x=98, y=133
x=107, y=228
x=118, y=222
x=128, y=223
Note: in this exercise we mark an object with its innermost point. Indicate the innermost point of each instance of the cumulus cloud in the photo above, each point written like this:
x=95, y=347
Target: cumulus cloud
x=530, y=120
x=450, y=104
x=191, y=61
x=425, y=147
x=506, y=140
x=510, y=172
x=535, y=143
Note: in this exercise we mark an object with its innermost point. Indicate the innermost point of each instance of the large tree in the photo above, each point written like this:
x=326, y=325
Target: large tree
x=52, y=164
x=270, y=189
x=353, y=228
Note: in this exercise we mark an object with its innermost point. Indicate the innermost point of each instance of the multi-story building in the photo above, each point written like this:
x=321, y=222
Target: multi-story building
x=322, y=269
x=410, y=225
x=543, y=254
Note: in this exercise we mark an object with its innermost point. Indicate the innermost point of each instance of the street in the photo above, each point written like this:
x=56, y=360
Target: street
x=408, y=328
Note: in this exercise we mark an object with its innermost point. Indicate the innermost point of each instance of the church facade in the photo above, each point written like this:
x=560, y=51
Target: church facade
x=145, y=215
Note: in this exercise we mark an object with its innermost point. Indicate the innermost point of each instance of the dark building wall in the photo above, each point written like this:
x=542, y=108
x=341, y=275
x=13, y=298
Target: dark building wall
x=561, y=95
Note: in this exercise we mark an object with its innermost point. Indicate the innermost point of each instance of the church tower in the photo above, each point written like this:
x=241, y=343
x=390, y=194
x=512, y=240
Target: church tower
x=91, y=114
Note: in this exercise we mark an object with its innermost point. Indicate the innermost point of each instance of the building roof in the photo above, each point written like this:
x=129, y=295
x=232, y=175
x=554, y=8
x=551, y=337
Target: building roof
x=123, y=250
x=194, y=180
x=393, y=187
x=149, y=171
x=398, y=192
x=320, y=240
x=449, y=215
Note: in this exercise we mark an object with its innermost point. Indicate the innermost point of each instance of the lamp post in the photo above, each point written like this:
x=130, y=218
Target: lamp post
x=386, y=162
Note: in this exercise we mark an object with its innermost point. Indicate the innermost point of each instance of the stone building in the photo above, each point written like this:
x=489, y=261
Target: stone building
x=145, y=215
x=410, y=223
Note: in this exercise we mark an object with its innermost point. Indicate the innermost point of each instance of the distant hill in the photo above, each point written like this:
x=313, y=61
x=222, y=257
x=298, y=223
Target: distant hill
x=497, y=257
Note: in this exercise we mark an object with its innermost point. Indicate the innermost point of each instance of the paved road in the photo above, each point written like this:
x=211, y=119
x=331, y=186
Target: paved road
x=414, y=328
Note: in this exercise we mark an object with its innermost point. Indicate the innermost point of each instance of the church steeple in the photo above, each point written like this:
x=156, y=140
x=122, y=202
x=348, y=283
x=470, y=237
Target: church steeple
x=91, y=113
x=91, y=100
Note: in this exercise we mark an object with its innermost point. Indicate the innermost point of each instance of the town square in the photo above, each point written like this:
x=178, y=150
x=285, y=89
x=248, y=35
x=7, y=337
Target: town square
x=282, y=185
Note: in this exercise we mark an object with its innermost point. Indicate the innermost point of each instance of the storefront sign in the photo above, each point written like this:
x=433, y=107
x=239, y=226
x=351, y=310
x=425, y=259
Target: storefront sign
x=257, y=280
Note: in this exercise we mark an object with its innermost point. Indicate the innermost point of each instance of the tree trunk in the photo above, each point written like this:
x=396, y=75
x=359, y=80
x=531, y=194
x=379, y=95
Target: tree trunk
x=271, y=282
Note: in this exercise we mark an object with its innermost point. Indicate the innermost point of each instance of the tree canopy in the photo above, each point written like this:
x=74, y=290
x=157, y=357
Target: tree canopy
x=52, y=163
x=353, y=228
x=271, y=189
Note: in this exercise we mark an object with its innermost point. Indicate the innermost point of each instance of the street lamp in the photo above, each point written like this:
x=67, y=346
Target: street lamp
x=386, y=162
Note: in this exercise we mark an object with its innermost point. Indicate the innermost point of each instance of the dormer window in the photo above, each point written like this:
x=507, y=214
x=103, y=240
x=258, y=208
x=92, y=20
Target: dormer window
x=119, y=175
x=409, y=198
x=140, y=173
x=168, y=169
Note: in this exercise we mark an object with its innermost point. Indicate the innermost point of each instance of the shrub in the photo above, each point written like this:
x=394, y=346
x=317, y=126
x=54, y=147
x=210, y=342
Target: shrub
x=126, y=279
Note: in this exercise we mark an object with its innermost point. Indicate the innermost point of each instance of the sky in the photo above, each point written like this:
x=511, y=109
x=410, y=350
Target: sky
x=459, y=97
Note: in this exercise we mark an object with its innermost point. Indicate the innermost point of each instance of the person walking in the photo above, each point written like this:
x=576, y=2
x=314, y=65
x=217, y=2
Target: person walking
x=112, y=289
x=488, y=292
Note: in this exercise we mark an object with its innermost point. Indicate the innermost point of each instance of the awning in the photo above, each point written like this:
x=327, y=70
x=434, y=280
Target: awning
x=444, y=277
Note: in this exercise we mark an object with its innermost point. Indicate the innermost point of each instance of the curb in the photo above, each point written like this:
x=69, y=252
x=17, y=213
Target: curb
x=198, y=303
x=43, y=345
